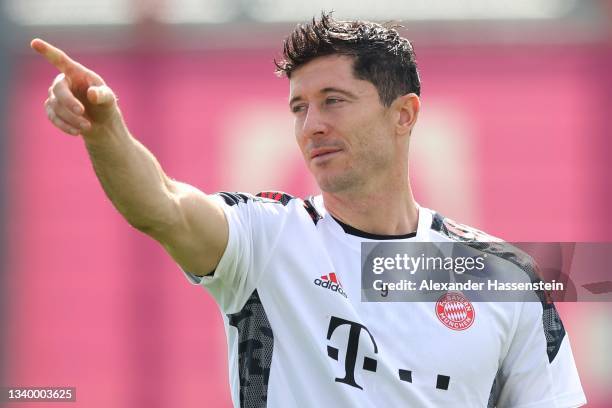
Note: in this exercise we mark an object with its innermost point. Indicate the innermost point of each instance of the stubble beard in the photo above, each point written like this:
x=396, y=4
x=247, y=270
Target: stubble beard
x=355, y=179
x=338, y=183
x=348, y=179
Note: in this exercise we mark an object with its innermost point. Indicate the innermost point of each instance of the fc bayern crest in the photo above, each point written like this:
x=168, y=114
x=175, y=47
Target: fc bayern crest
x=455, y=311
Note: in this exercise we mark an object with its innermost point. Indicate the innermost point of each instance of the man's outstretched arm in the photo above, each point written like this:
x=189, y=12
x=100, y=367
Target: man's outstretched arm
x=188, y=223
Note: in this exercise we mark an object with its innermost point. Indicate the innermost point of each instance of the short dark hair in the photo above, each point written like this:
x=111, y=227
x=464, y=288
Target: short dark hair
x=381, y=55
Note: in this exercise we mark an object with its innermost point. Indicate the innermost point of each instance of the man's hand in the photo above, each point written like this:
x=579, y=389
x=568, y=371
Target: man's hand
x=79, y=100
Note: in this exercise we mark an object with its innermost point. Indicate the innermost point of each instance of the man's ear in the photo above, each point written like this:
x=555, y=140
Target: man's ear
x=408, y=107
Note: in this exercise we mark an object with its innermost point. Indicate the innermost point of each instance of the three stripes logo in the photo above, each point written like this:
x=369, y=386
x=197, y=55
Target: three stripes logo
x=331, y=282
x=455, y=311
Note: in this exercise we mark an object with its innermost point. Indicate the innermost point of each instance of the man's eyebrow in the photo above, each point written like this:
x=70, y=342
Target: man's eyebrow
x=338, y=90
x=326, y=90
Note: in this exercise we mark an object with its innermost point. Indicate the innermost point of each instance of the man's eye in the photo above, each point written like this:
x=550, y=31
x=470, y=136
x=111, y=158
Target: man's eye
x=331, y=101
x=297, y=108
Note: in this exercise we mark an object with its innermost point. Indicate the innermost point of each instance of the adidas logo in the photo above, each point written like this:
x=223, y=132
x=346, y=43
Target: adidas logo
x=331, y=282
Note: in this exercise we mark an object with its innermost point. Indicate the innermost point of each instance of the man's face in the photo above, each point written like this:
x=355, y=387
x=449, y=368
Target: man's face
x=344, y=132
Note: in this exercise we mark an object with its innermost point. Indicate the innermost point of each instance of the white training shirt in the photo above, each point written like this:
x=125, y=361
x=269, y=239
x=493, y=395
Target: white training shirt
x=289, y=288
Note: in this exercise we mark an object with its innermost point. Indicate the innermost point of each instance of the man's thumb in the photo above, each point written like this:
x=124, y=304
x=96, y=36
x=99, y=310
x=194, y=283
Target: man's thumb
x=100, y=95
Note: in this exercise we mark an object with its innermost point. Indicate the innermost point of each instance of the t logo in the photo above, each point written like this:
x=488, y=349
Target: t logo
x=351, y=350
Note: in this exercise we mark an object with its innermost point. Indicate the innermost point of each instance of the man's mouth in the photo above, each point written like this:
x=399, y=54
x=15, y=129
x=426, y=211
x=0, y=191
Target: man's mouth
x=323, y=152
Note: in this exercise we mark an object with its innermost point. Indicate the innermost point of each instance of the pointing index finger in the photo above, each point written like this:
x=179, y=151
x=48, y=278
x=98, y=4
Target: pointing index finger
x=54, y=55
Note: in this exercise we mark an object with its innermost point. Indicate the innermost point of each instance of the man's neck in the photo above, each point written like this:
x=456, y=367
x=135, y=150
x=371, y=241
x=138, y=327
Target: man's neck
x=382, y=212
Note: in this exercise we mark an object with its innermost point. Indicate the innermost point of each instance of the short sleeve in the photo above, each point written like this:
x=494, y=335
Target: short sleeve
x=255, y=225
x=539, y=369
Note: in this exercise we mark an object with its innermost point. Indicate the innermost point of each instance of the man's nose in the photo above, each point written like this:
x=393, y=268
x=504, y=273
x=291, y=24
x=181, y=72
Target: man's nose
x=314, y=123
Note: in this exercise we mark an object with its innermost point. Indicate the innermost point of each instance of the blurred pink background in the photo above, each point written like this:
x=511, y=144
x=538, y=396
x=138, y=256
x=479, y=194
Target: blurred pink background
x=512, y=139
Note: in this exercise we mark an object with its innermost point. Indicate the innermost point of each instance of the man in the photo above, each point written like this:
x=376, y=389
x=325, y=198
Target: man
x=286, y=272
